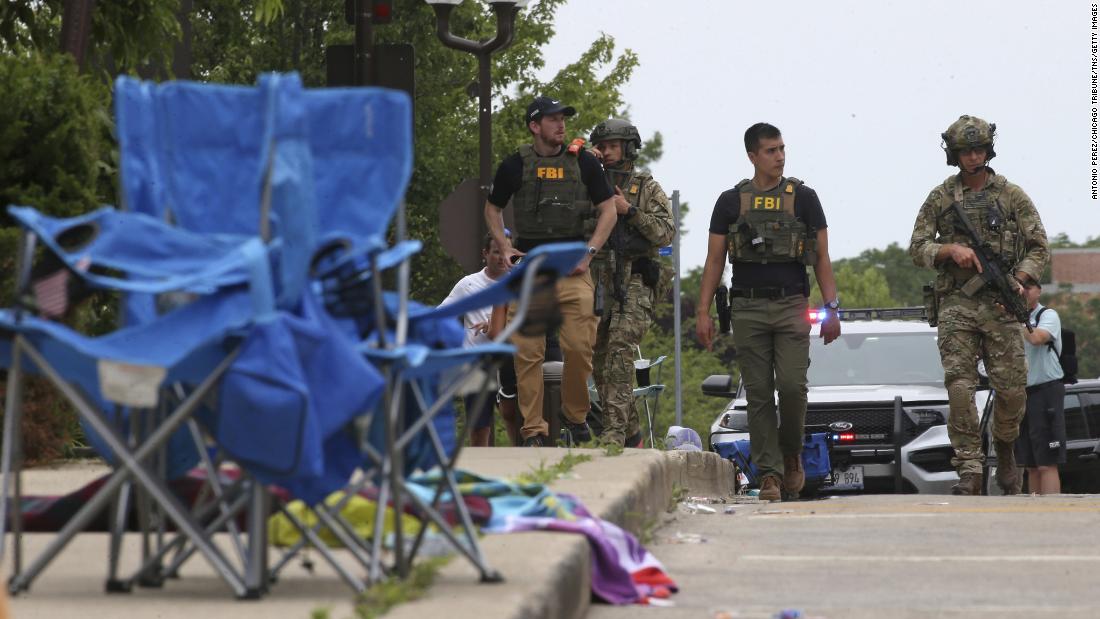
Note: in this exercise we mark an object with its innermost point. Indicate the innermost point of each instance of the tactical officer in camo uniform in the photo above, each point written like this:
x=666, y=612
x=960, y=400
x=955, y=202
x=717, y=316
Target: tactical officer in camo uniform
x=974, y=325
x=558, y=194
x=772, y=228
x=632, y=276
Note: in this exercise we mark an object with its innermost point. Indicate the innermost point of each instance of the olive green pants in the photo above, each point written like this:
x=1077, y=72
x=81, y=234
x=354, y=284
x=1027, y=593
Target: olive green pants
x=773, y=353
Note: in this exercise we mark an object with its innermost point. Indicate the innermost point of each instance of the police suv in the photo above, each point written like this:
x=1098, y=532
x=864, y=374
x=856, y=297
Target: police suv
x=878, y=391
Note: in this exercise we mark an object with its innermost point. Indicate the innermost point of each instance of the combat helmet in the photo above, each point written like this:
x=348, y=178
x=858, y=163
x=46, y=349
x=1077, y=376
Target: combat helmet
x=968, y=132
x=619, y=129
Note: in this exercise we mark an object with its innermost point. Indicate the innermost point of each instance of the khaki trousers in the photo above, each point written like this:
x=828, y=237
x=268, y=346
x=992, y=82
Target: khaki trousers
x=577, y=335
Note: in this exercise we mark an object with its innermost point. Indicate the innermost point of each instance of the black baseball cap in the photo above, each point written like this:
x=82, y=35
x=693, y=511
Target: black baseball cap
x=542, y=106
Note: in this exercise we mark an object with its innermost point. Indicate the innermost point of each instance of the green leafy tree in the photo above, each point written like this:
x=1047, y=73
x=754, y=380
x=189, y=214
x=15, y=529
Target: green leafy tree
x=904, y=279
x=54, y=146
x=1062, y=241
x=857, y=288
x=126, y=36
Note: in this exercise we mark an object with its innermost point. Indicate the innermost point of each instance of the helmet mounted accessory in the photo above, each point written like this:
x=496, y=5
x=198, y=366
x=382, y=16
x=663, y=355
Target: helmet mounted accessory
x=965, y=133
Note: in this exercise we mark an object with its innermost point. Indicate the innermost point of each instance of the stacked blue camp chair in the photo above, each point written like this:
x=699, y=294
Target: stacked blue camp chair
x=303, y=184
x=211, y=316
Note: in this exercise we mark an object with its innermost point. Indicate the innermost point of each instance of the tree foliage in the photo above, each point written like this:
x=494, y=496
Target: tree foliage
x=904, y=279
x=857, y=288
x=1062, y=241
x=55, y=151
x=126, y=36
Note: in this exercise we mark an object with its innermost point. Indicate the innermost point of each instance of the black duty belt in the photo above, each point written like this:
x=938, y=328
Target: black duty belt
x=768, y=292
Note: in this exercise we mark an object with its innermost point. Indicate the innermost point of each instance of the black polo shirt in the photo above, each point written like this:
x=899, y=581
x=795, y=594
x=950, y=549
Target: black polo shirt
x=510, y=175
x=807, y=208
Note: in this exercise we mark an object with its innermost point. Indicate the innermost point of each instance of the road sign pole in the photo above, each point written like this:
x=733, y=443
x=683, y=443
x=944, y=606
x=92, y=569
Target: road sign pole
x=676, y=303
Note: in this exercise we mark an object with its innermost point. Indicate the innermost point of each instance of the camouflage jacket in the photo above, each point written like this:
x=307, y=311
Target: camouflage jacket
x=654, y=218
x=652, y=221
x=932, y=229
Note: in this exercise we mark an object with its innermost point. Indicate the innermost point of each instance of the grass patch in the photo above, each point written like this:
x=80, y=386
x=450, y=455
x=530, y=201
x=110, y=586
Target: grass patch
x=382, y=596
x=676, y=496
x=643, y=525
x=613, y=449
x=544, y=474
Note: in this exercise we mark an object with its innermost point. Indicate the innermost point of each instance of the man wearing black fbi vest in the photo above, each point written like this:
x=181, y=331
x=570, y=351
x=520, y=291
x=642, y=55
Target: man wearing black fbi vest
x=553, y=189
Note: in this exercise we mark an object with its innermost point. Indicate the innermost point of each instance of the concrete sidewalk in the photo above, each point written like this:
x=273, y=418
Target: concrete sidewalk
x=546, y=574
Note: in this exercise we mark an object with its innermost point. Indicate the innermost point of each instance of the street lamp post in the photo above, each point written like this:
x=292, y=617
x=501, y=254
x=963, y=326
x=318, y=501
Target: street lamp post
x=506, y=18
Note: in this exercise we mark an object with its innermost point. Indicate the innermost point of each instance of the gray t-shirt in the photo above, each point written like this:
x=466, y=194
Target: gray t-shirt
x=1042, y=360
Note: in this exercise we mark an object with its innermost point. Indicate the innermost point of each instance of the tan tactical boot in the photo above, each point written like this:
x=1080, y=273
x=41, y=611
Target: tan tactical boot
x=1008, y=476
x=969, y=484
x=793, y=476
x=769, y=489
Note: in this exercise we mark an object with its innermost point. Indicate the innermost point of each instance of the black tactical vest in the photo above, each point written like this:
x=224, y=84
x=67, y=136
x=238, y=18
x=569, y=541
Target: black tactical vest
x=767, y=230
x=552, y=201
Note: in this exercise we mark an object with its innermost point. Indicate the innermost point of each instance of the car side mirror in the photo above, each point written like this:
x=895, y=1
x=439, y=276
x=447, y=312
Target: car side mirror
x=719, y=386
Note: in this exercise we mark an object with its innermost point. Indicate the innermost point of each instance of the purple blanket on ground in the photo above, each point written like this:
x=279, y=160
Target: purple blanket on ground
x=623, y=572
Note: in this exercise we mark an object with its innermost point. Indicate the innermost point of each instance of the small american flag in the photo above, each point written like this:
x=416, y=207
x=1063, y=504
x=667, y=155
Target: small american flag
x=51, y=294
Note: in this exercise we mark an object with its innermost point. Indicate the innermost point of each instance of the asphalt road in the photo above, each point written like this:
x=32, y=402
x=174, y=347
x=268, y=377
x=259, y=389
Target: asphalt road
x=882, y=556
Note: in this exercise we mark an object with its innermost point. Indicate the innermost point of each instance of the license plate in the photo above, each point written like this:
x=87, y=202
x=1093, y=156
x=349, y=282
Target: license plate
x=850, y=478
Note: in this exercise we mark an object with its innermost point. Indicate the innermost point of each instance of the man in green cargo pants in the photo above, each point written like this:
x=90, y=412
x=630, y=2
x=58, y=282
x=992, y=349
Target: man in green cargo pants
x=772, y=227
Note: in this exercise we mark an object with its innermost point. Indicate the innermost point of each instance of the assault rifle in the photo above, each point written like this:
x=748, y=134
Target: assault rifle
x=993, y=271
x=618, y=241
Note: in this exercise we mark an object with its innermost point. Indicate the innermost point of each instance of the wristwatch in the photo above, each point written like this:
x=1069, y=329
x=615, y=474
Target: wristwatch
x=631, y=212
x=591, y=251
x=833, y=305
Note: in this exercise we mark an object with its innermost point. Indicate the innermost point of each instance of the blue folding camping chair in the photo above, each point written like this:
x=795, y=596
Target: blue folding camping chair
x=360, y=143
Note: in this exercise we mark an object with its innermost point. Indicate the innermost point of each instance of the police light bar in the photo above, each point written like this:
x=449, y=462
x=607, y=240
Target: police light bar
x=885, y=313
x=816, y=315
x=844, y=437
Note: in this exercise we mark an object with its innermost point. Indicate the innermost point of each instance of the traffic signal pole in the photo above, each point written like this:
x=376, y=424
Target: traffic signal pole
x=364, y=42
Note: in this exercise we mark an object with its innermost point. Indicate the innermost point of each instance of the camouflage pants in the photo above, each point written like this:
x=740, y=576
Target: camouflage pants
x=619, y=332
x=969, y=329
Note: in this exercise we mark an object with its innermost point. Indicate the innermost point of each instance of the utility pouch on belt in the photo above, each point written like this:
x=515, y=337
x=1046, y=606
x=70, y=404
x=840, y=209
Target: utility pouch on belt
x=973, y=286
x=649, y=269
x=931, y=304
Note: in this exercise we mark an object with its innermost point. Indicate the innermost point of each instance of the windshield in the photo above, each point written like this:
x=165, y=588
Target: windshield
x=876, y=359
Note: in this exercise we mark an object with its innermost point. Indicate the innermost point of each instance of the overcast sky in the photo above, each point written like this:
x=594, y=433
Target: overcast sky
x=861, y=91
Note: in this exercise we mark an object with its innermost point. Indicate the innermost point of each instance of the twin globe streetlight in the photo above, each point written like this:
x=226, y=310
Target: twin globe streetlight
x=506, y=12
